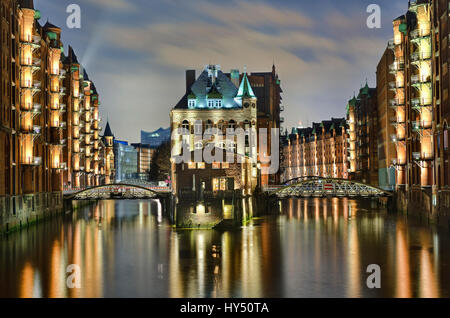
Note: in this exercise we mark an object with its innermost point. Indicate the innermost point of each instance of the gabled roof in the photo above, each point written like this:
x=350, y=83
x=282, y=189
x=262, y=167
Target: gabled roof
x=214, y=93
x=86, y=76
x=203, y=86
x=49, y=25
x=245, y=89
x=108, y=132
x=72, y=56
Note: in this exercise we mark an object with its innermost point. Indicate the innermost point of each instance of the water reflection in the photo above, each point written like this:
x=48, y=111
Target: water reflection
x=307, y=248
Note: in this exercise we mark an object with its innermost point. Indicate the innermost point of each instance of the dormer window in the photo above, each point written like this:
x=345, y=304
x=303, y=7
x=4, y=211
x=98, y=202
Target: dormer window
x=214, y=103
x=192, y=103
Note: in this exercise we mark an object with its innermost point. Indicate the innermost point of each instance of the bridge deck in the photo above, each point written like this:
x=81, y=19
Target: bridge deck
x=117, y=191
x=322, y=187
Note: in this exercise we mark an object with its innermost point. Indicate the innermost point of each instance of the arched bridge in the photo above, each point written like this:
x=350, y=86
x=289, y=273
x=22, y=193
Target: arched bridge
x=118, y=191
x=326, y=187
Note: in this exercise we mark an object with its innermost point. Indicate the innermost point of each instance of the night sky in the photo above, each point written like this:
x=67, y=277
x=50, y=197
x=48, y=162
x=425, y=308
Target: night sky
x=136, y=51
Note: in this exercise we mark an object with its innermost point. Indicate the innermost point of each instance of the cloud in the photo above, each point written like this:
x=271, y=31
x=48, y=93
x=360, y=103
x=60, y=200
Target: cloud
x=319, y=70
x=112, y=4
x=254, y=14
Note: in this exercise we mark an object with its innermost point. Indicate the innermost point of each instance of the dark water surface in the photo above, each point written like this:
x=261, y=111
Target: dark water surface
x=308, y=248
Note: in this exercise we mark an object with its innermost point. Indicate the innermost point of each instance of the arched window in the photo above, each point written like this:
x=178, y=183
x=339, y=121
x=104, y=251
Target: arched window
x=209, y=124
x=220, y=126
x=185, y=125
x=232, y=124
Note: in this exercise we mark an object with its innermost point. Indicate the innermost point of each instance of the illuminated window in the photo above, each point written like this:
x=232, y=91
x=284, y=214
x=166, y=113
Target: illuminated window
x=225, y=165
x=185, y=125
x=216, y=165
x=192, y=103
x=201, y=165
x=214, y=103
x=219, y=184
x=192, y=165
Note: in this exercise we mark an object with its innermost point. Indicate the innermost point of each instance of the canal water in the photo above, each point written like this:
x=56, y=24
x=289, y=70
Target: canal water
x=306, y=248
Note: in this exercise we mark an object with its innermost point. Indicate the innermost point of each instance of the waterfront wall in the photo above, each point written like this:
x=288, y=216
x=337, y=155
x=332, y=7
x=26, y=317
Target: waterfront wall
x=20, y=211
x=422, y=203
x=219, y=212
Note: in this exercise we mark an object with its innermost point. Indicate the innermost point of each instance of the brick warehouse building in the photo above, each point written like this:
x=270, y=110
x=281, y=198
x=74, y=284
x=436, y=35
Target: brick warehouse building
x=362, y=119
x=320, y=150
x=387, y=152
x=421, y=85
x=36, y=118
x=267, y=89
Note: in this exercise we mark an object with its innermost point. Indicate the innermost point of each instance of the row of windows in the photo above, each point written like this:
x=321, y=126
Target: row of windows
x=212, y=103
x=202, y=165
x=198, y=127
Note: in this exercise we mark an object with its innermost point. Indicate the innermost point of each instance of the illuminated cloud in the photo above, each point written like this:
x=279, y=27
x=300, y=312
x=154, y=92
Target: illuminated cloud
x=323, y=52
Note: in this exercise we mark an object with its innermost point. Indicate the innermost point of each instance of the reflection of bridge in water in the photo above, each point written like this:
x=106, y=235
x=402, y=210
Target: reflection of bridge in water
x=118, y=191
x=325, y=187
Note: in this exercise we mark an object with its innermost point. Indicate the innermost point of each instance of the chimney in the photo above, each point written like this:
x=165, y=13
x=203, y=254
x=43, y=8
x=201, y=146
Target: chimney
x=190, y=79
x=235, y=77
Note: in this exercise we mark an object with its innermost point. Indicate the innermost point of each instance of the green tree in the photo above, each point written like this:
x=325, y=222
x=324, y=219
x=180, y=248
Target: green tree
x=160, y=163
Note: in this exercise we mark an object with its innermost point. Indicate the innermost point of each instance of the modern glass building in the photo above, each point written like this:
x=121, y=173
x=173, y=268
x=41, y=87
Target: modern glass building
x=126, y=161
x=156, y=138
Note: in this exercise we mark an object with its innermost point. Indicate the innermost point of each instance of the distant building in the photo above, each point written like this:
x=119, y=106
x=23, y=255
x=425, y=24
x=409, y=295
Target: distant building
x=108, y=141
x=156, y=138
x=318, y=151
x=126, y=161
x=387, y=152
x=267, y=89
x=362, y=119
x=144, y=158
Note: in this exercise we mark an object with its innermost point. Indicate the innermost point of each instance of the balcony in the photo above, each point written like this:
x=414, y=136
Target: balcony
x=419, y=34
x=422, y=156
x=420, y=56
x=35, y=130
x=397, y=66
x=62, y=73
x=418, y=126
x=33, y=161
x=281, y=108
x=421, y=102
x=37, y=109
x=61, y=166
x=281, y=119
x=63, y=125
x=34, y=41
x=391, y=44
x=397, y=102
x=417, y=80
x=393, y=85
x=62, y=108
